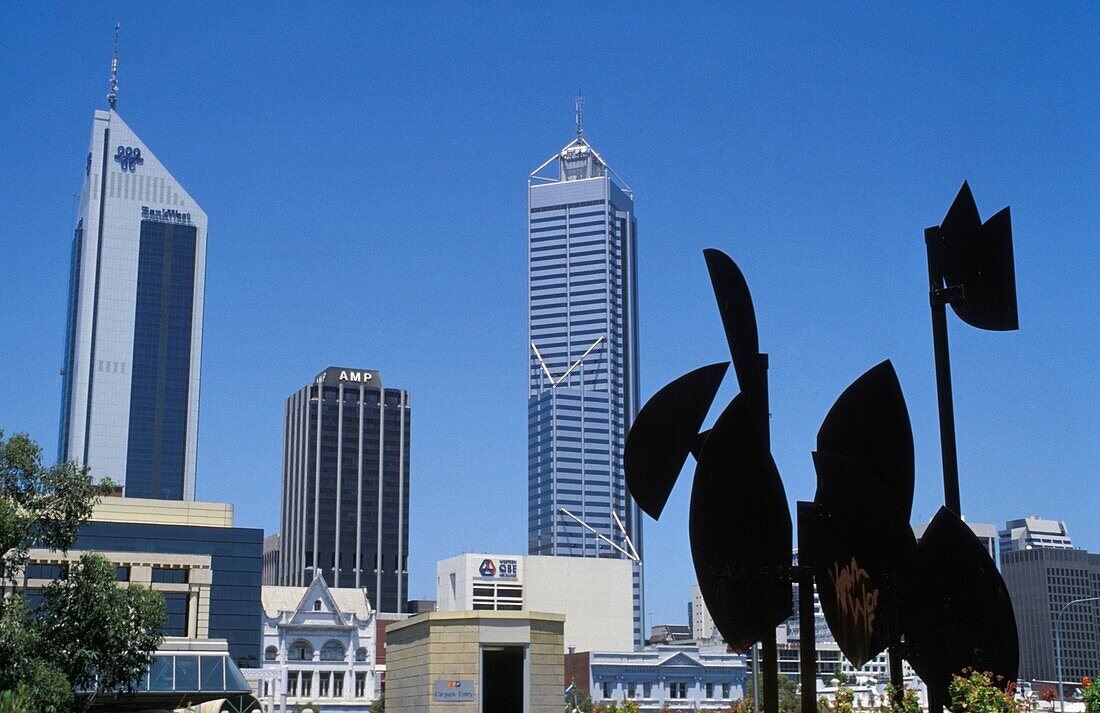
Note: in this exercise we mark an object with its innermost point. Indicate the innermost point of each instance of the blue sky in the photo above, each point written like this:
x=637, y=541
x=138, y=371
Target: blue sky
x=364, y=172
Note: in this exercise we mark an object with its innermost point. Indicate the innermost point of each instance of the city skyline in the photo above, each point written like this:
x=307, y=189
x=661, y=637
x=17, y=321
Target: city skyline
x=337, y=199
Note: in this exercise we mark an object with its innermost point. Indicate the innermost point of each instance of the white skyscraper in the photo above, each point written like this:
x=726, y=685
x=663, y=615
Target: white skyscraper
x=130, y=400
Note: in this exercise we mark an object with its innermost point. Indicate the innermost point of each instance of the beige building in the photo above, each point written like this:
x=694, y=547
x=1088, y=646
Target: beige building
x=594, y=594
x=476, y=662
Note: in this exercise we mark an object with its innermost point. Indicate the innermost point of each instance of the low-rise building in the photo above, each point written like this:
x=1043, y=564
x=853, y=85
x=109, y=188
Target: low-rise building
x=690, y=678
x=594, y=594
x=442, y=662
x=321, y=641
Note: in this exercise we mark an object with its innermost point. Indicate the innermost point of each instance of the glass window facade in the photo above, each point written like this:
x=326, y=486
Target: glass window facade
x=345, y=512
x=582, y=359
x=161, y=368
x=236, y=555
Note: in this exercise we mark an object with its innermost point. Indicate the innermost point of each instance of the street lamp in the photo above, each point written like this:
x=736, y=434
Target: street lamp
x=1058, y=645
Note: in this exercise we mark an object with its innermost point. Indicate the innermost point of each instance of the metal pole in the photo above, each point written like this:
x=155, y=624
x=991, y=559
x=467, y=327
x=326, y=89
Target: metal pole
x=897, y=679
x=807, y=635
x=932, y=242
x=771, y=674
x=756, y=678
x=1058, y=645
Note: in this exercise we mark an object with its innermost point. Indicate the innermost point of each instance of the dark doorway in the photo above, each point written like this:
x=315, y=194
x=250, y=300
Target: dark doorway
x=502, y=679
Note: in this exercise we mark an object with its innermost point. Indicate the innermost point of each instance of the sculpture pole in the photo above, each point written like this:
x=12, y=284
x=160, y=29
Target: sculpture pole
x=939, y=297
x=807, y=629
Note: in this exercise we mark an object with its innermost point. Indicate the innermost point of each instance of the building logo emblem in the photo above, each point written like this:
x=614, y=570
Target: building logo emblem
x=487, y=569
x=129, y=158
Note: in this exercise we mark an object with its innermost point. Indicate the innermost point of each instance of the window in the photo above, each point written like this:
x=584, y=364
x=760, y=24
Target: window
x=332, y=651
x=677, y=689
x=606, y=689
x=631, y=690
x=323, y=679
x=361, y=655
x=647, y=690
x=317, y=605
x=301, y=651
x=725, y=690
x=271, y=653
x=122, y=574
x=175, y=606
x=338, y=684
x=307, y=684
x=164, y=575
x=710, y=690
x=360, y=685
x=292, y=684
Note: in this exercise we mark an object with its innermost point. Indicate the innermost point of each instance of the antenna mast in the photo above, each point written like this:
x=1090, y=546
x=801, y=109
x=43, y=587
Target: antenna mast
x=580, y=115
x=112, y=96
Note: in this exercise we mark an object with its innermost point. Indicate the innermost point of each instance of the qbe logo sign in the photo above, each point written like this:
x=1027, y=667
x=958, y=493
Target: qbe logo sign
x=501, y=569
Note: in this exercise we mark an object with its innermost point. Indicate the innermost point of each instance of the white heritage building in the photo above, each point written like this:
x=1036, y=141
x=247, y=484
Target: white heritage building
x=321, y=642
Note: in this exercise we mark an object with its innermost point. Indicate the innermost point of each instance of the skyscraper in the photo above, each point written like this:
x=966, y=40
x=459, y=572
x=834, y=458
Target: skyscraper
x=345, y=511
x=130, y=395
x=583, y=357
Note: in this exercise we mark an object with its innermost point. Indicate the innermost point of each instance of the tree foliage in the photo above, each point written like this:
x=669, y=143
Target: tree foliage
x=1090, y=691
x=904, y=700
x=88, y=633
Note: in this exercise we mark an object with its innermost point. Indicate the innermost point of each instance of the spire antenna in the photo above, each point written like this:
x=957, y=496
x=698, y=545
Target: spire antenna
x=580, y=115
x=112, y=96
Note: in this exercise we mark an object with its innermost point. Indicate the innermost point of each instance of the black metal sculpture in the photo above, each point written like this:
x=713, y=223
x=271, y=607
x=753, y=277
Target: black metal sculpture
x=939, y=603
x=970, y=267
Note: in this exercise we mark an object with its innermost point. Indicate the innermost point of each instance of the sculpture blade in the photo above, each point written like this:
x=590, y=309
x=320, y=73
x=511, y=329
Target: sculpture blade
x=863, y=550
x=979, y=257
x=738, y=315
x=664, y=433
x=962, y=615
x=869, y=424
x=740, y=530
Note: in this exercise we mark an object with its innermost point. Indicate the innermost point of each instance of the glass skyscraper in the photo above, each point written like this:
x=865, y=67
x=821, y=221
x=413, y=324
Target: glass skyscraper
x=582, y=358
x=345, y=511
x=130, y=398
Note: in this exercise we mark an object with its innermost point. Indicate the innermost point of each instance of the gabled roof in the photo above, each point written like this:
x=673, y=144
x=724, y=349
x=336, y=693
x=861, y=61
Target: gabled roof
x=300, y=601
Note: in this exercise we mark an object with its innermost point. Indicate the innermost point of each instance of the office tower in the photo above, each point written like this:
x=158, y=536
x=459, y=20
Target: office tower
x=130, y=395
x=345, y=512
x=583, y=357
x=1043, y=582
x=1032, y=532
x=984, y=531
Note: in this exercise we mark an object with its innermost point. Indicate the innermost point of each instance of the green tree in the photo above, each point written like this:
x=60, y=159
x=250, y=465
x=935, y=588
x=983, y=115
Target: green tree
x=87, y=632
x=378, y=705
x=844, y=700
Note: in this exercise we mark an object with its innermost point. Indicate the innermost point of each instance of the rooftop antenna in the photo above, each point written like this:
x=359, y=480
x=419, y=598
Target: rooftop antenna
x=112, y=96
x=580, y=115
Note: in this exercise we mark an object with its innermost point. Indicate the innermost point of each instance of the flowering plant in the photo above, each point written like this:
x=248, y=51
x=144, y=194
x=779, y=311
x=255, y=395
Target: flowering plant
x=975, y=692
x=1090, y=690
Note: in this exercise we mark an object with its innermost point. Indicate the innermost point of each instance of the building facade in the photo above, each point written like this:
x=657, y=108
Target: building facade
x=345, y=507
x=321, y=644
x=582, y=358
x=486, y=661
x=1031, y=532
x=137, y=531
x=133, y=343
x=682, y=678
x=593, y=594
x=1043, y=581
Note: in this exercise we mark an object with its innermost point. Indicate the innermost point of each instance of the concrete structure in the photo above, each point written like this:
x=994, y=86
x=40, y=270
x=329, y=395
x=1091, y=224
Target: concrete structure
x=670, y=635
x=321, y=644
x=271, y=560
x=592, y=594
x=684, y=678
x=133, y=344
x=582, y=358
x=1041, y=581
x=210, y=569
x=702, y=624
x=1031, y=532
x=345, y=510
x=476, y=662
